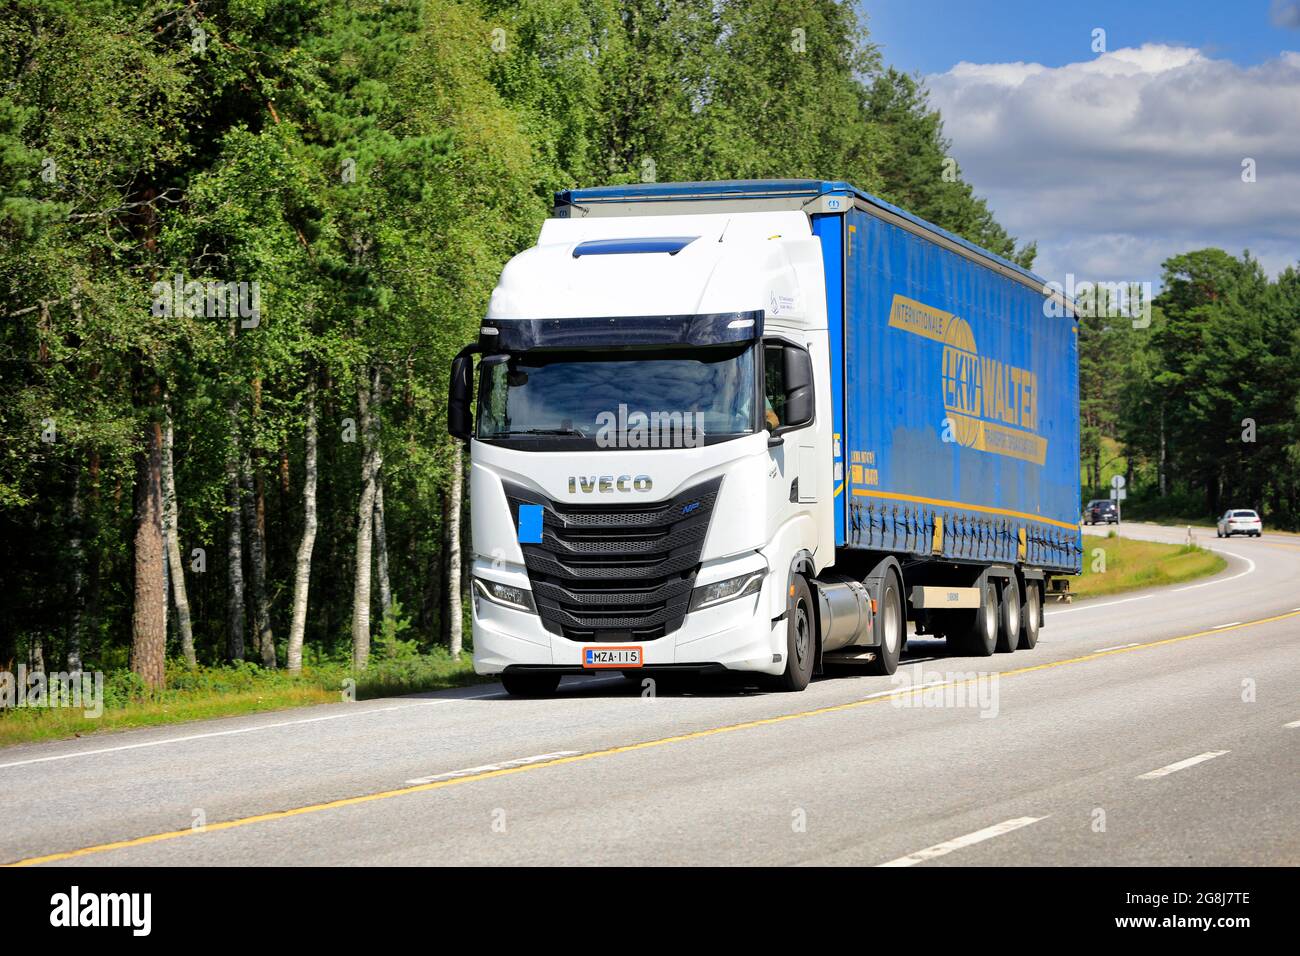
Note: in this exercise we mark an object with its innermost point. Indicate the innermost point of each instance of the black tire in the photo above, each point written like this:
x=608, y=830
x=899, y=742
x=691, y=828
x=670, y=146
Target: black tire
x=800, y=638
x=1029, y=616
x=530, y=683
x=1009, y=618
x=976, y=632
x=891, y=626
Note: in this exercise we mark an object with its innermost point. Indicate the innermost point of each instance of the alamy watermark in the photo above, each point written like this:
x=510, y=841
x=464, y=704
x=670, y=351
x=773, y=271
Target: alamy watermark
x=210, y=299
x=624, y=429
x=1116, y=300
x=83, y=690
x=947, y=689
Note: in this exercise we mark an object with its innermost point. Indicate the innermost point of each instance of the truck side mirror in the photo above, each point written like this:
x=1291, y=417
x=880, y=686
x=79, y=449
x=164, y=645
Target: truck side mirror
x=798, y=387
x=460, y=394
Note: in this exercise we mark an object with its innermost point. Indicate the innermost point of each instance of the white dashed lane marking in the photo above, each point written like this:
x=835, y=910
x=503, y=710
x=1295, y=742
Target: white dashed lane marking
x=1182, y=765
x=970, y=839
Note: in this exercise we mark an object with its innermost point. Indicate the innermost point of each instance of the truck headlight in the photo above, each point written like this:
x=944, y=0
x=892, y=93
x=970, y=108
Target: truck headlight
x=507, y=595
x=722, y=591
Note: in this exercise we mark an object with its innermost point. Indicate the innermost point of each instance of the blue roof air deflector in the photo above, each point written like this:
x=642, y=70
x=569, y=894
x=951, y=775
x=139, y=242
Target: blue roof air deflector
x=619, y=247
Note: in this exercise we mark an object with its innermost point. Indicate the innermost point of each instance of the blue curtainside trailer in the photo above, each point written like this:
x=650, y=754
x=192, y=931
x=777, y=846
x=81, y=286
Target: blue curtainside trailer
x=961, y=412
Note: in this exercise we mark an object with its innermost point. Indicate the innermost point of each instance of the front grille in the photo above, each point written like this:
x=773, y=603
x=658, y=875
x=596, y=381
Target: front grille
x=616, y=573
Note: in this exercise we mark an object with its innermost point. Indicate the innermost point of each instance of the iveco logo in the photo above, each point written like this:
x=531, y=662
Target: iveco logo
x=588, y=484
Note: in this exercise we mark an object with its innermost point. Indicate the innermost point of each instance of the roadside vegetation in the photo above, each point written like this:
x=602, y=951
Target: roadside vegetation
x=228, y=690
x=1113, y=564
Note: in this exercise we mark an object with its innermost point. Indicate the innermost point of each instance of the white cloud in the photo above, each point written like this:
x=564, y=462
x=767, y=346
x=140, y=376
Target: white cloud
x=1117, y=163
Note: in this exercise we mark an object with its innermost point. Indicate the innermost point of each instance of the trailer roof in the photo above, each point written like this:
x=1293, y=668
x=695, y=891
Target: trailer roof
x=770, y=189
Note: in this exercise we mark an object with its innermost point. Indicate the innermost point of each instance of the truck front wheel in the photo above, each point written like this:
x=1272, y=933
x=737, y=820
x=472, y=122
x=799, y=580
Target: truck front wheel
x=800, y=637
x=529, y=683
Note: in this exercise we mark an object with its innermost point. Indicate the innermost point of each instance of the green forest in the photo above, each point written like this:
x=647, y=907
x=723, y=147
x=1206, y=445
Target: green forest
x=1198, y=404
x=240, y=241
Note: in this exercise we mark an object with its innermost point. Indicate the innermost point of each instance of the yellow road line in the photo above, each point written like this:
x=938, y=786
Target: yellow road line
x=612, y=751
x=943, y=503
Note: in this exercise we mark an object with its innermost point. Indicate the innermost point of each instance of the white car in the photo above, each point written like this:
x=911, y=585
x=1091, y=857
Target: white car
x=1239, y=521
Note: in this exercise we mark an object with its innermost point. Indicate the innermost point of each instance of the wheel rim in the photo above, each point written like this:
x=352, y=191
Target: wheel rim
x=990, y=616
x=891, y=626
x=1013, y=617
x=801, y=634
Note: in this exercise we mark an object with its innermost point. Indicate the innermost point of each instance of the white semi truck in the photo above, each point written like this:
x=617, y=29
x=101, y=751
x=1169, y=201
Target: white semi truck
x=755, y=426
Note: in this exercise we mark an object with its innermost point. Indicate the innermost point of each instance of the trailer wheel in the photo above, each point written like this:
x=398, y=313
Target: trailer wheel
x=1029, y=618
x=1009, y=618
x=893, y=627
x=975, y=633
x=800, y=637
x=529, y=683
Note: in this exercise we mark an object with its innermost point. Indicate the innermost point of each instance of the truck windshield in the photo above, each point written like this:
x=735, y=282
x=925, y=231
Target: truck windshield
x=661, y=398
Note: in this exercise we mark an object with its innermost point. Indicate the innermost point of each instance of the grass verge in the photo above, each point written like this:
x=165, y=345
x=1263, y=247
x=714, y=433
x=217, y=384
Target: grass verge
x=1114, y=564
x=227, y=691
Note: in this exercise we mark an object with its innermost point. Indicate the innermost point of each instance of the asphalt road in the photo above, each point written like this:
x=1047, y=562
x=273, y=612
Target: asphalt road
x=1157, y=727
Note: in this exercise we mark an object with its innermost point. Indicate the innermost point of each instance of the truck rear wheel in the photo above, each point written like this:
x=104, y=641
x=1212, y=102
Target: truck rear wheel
x=529, y=683
x=1029, y=618
x=1009, y=618
x=892, y=627
x=975, y=633
x=800, y=639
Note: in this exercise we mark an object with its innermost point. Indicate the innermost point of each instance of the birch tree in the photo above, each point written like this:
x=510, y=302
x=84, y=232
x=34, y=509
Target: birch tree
x=171, y=517
x=302, y=568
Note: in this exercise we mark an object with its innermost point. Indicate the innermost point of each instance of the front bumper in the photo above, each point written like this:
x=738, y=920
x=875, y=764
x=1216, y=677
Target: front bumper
x=737, y=635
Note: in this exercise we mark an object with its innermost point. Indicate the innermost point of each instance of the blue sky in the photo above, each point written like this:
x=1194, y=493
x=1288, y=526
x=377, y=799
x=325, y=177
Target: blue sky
x=1184, y=133
x=931, y=36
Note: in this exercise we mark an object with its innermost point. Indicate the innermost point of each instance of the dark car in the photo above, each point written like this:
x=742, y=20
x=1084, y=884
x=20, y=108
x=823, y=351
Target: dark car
x=1101, y=511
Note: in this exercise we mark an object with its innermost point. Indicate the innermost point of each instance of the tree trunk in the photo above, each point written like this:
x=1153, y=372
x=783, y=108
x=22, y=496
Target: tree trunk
x=264, y=641
x=453, y=558
x=302, y=572
x=78, y=588
x=171, y=519
x=381, y=551
x=149, y=609
x=381, y=534
x=90, y=613
x=1162, y=451
x=234, y=545
x=365, y=527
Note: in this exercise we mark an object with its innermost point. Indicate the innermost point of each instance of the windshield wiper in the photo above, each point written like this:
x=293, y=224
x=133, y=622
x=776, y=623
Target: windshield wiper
x=543, y=431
